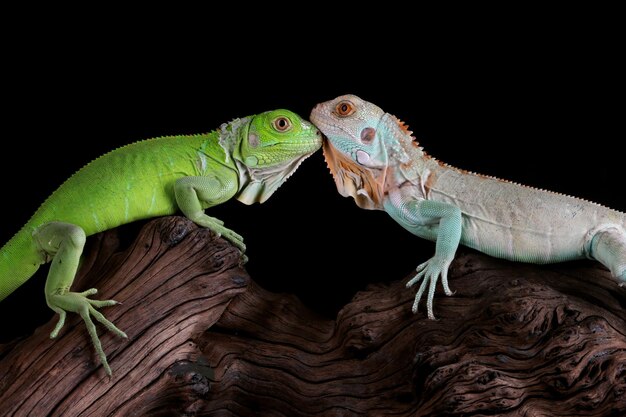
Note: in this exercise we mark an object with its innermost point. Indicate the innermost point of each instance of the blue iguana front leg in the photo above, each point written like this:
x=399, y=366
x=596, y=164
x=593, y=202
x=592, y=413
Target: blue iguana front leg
x=433, y=220
x=64, y=242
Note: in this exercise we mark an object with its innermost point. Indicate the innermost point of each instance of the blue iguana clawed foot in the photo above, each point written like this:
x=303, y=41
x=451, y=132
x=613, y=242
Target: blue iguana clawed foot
x=429, y=272
x=79, y=303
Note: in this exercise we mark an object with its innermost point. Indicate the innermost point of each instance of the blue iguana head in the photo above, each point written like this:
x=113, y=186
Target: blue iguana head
x=354, y=147
x=351, y=125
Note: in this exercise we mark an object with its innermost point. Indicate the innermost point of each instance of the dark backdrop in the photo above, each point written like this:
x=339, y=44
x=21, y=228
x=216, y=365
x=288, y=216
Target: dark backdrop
x=545, y=111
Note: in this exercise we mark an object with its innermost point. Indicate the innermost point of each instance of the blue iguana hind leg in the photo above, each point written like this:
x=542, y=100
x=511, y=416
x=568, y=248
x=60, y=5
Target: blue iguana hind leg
x=608, y=246
x=63, y=243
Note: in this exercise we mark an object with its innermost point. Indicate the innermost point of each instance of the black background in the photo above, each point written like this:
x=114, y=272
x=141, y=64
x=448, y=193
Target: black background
x=539, y=103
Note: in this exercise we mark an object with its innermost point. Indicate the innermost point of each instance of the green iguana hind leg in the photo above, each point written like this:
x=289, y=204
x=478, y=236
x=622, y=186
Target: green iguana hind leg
x=608, y=246
x=64, y=243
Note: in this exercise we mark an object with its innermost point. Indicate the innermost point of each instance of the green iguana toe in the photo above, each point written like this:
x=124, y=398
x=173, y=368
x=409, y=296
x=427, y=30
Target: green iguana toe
x=235, y=238
x=221, y=231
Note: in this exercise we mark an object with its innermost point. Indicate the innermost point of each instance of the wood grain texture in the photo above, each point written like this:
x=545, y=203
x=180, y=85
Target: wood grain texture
x=174, y=280
x=205, y=340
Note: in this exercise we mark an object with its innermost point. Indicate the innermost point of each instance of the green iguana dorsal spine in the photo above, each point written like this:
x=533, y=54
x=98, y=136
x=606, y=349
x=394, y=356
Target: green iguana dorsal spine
x=374, y=159
x=247, y=159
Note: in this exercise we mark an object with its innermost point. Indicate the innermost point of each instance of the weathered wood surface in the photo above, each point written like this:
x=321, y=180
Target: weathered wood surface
x=205, y=340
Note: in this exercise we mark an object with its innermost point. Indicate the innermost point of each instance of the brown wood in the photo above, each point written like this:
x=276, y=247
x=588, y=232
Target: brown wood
x=205, y=340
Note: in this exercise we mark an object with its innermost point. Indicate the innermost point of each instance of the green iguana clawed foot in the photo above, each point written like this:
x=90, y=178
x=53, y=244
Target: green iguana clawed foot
x=217, y=226
x=79, y=303
x=233, y=237
x=375, y=160
x=63, y=243
x=247, y=159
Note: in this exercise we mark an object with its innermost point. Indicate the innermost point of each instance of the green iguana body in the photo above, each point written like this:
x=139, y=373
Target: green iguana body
x=247, y=159
x=375, y=160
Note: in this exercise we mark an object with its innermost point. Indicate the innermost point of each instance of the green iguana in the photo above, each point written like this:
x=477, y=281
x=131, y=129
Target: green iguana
x=248, y=159
x=374, y=159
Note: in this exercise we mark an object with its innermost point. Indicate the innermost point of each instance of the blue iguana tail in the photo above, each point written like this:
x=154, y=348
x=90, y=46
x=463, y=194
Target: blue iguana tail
x=19, y=260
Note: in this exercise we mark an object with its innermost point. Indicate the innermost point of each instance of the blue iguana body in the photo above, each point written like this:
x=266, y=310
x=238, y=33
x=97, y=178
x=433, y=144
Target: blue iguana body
x=247, y=159
x=374, y=159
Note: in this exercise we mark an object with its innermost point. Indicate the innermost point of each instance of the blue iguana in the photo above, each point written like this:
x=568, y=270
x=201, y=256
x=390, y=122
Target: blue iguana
x=375, y=159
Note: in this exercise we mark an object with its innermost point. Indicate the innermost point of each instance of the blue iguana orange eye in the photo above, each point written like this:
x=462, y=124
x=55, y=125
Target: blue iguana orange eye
x=282, y=124
x=344, y=109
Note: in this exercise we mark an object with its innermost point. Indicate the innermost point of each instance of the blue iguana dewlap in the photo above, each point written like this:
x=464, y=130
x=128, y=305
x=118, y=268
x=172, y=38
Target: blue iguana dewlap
x=375, y=160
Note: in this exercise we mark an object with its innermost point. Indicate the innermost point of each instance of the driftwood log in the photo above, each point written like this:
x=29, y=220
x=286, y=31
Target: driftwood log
x=205, y=340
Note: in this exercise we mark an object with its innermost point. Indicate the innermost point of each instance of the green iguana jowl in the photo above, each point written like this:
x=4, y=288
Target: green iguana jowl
x=375, y=160
x=247, y=159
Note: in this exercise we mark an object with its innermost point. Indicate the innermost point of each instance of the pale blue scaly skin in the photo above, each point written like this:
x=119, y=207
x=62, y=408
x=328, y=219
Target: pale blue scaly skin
x=375, y=160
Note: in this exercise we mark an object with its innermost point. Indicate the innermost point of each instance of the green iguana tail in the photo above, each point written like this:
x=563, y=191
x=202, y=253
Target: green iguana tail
x=19, y=260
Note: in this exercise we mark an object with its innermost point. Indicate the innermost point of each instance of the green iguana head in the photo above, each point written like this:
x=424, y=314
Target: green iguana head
x=272, y=146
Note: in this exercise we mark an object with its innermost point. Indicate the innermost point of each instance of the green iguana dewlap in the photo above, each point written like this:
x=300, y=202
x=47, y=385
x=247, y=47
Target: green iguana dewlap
x=247, y=159
x=375, y=160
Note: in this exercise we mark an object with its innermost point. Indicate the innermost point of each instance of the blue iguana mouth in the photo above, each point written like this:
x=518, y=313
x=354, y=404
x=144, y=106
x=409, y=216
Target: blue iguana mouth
x=354, y=180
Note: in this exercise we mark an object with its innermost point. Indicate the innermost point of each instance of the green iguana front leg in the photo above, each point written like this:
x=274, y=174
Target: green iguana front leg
x=195, y=194
x=432, y=220
x=64, y=243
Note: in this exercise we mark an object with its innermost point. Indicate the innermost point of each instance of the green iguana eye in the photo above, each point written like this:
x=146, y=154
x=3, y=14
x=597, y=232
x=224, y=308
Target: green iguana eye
x=282, y=124
x=344, y=109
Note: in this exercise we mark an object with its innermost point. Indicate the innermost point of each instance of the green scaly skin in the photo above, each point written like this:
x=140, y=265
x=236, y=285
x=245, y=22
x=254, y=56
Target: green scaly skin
x=247, y=159
x=375, y=160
